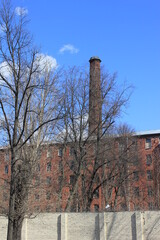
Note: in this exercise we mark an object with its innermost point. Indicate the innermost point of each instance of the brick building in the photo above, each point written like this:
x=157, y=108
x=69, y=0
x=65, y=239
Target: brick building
x=121, y=171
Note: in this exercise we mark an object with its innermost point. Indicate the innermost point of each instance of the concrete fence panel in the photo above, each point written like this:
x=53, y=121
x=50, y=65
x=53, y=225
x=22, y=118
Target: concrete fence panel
x=89, y=226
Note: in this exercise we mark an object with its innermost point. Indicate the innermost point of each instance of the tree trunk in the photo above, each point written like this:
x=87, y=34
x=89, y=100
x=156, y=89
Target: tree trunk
x=15, y=221
x=17, y=229
x=16, y=209
x=11, y=209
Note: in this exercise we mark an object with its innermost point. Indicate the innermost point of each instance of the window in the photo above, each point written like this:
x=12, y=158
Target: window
x=38, y=168
x=150, y=205
x=49, y=152
x=48, y=208
x=6, y=169
x=37, y=209
x=149, y=175
x=136, y=191
x=123, y=206
x=136, y=207
x=39, y=153
x=121, y=146
x=148, y=143
x=150, y=191
x=48, y=195
x=5, y=197
x=108, y=163
x=37, y=197
x=60, y=152
x=60, y=179
x=72, y=179
x=7, y=156
x=96, y=193
x=84, y=164
x=60, y=166
x=135, y=158
x=122, y=191
x=148, y=159
x=72, y=165
x=48, y=180
x=136, y=176
x=83, y=182
x=96, y=207
x=71, y=151
x=48, y=166
x=96, y=178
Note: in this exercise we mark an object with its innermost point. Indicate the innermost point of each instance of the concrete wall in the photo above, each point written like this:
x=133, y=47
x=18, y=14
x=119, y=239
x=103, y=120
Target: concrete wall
x=89, y=226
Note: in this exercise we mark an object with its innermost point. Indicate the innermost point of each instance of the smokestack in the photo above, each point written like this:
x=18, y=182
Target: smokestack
x=95, y=103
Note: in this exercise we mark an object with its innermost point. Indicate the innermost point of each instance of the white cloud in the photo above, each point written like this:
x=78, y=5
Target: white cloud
x=45, y=62
x=21, y=11
x=70, y=48
x=5, y=69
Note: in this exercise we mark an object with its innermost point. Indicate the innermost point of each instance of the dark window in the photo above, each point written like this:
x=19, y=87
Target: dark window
x=150, y=205
x=7, y=156
x=72, y=165
x=37, y=208
x=48, y=208
x=122, y=192
x=5, y=196
x=48, y=166
x=149, y=175
x=136, y=176
x=84, y=163
x=96, y=193
x=6, y=169
x=71, y=151
x=150, y=191
x=19, y=167
x=123, y=206
x=96, y=179
x=48, y=180
x=83, y=181
x=148, y=159
x=96, y=207
x=135, y=159
x=60, y=152
x=108, y=163
x=60, y=179
x=136, y=191
x=136, y=207
x=48, y=195
x=60, y=166
x=37, y=197
x=39, y=153
x=148, y=143
x=72, y=179
x=38, y=168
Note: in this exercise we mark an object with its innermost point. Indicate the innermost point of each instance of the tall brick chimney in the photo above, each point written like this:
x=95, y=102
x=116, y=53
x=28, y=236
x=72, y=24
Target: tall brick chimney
x=95, y=103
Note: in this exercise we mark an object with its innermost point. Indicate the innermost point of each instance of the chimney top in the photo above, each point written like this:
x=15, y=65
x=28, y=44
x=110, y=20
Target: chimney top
x=94, y=58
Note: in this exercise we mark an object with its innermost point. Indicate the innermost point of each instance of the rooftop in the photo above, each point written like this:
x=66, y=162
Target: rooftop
x=149, y=132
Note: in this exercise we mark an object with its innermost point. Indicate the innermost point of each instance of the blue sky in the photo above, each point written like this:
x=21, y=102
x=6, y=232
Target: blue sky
x=125, y=34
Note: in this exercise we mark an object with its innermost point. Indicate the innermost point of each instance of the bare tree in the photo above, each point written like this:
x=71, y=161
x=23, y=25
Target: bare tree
x=94, y=164
x=27, y=113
